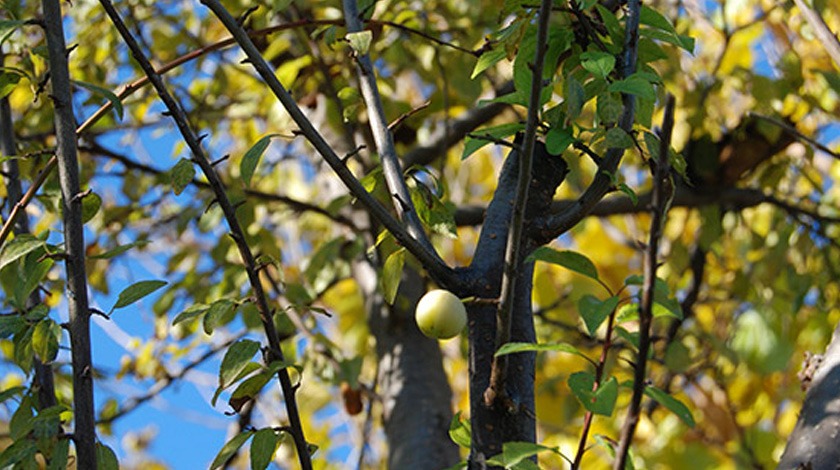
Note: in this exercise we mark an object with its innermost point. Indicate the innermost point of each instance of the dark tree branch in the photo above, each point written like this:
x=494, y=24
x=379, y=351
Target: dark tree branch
x=391, y=168
x=84, y=433
x=792, y=130
x=44, y=378
x=557, y=224
x=504, y=313
x=294, y=204
x=430, y=260
x=662, y=190
x=275, y=354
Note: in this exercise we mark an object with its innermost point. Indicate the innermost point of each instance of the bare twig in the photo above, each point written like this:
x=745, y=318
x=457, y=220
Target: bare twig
x=132, y=403
x=84, y=434
x=275, y=354
x=662, y=190
x=430, y=260
x=504, y=313
x=294, y=204
x=792, y=130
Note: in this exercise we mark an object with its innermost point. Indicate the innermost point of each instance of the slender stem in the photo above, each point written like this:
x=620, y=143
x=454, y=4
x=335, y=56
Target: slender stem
x=513, y=248
x=429, y=258
x=84, y=433
x=391, y=168
x=599, y=375
x=236, y=232
x=553, y=225
x=662, y=189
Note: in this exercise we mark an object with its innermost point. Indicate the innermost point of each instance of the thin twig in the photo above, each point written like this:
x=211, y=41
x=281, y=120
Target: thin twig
x=792, y=130
x=429, y=258
x=512, y=269
x=662, y=191
x=132, y=403
x=275, y=354
x=84, y=434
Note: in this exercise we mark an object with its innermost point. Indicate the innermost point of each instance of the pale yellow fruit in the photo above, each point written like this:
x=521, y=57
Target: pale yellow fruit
x=440, y=314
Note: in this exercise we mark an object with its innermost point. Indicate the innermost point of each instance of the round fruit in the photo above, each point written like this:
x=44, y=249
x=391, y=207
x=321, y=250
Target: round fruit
x=440, y=314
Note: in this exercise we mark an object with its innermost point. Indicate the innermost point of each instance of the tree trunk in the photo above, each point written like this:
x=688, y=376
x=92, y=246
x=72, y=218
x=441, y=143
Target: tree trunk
x=813, y=443
x=512, y=418
x=416, y=396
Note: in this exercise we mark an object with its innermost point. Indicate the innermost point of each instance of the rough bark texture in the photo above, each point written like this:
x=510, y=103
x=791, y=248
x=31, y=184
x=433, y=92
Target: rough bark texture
x=512, y=417
x=813, y=443
x=416, y=397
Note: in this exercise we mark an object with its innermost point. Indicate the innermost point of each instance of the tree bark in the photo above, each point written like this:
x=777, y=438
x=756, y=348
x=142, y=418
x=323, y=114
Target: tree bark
x=416, y=396
x=512, y=418
x=813, y=443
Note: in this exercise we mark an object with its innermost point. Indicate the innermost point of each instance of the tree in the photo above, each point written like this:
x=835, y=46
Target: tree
x=634, y=202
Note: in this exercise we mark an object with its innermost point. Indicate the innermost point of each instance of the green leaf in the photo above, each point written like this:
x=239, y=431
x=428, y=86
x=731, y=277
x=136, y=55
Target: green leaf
x=617, y=138
x=557, y=140
x=263, y=446
x=515, y=452
x=252, y=158
x=8, y=82
x=602, y=400
x=634, y=85
x=487, y=60
x=105, y=93
x=181, y=175
x=91, y=203
x=45, y=338
x=629, y=192
x=21, y=450
x=218, y=314
x=360, y=41
x=137, y=291
x=392, y=274
x=672, y=404
x=118, y=250
x=191, y=312
x=11, y=325
x=236, y=359
x=7, y=27
x=249, y=368
x=19, y=247
x=475, y=141
x=106, y=459
x=33, y=272
x=575, y=97
x=60, y=455
x=598, y=63
x=594, y=311
x=570, y=260
x=10, y=392
x=514, y=347
x=460, y=431
x=230, y=448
